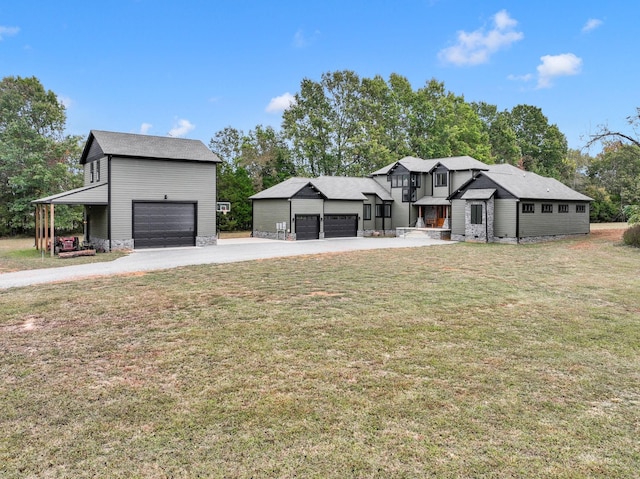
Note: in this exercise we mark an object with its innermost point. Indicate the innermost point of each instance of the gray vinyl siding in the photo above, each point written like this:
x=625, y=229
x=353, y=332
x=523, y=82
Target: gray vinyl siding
x=369, y=224
x=457, y=217
x=266, y=213
x=505, y=218
x=150, y=180
x=399, y=211
x=98, y=219
x=305, y=207
x=458, y=178
x=549, y=224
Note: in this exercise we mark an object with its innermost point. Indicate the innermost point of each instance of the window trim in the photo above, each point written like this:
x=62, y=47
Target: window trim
x=528, y=208
x=581, y=208
x=440, y=179
x=477, y=217
x=97, y=171
x=563, y=208
x=91, y=172
x=547, y=208
x=383, y=210
x=366, y=211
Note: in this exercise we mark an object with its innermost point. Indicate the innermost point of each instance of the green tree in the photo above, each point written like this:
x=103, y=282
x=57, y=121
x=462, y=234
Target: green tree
x=542, y=145
x=504, y=144
x=234, y=183
x=36, y=158
x=617, y=170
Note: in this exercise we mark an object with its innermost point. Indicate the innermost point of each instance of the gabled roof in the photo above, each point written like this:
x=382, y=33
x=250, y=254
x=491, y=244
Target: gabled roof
x=418, y=165
x=479, y=194
x=526, y=185
x=87, y=195
x=102, y=143
x=331, y=187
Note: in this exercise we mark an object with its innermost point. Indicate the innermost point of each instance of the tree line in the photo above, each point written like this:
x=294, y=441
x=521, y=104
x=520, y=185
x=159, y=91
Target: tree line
x=342, y=124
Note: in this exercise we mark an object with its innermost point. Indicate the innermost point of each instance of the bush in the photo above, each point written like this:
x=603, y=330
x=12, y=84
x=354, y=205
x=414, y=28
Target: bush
x=631, y=236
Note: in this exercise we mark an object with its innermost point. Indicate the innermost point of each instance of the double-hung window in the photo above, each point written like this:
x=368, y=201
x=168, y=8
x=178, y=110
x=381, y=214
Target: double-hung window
x=366, y=212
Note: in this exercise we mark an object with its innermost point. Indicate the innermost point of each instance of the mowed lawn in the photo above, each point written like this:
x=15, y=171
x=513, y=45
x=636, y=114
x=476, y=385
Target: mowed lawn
x=469, y=360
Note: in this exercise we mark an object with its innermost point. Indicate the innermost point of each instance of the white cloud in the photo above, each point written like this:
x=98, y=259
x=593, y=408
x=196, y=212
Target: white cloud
x=181, y=128
x=591, y=24
x=145, y=128
x=8, y=31
x=476, y=47
x=280, y=103
x=565, y=64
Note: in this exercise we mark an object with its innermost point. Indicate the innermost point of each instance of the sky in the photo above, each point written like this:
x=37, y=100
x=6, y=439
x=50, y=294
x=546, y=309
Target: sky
x=191, y=68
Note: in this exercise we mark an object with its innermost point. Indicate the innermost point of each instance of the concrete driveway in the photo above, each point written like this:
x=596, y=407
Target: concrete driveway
x=227, y=251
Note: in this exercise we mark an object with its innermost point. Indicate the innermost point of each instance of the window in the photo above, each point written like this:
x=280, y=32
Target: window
x=415, y=180
x=383, y=211
x=563, y=208
x=441, y=179
x=366, y=212
x=547, y=208
x=581, y=209
x=528, y=208
x=91, y=172
x=97, y=170
x=399, y=181
x=476, y=214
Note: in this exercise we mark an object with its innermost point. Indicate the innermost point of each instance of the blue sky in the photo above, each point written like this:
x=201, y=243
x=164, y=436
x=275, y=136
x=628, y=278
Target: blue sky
x=191, y=68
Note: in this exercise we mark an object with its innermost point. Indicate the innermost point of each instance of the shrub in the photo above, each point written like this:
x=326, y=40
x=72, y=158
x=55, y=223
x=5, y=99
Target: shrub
x=632, y=212
x=631, y=236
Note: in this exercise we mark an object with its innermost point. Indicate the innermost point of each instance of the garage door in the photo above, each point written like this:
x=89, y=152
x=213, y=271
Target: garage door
x=340, y=226
x=307, y=227
x=159, y=225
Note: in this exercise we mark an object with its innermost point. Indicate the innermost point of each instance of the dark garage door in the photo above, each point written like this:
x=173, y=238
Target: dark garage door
x=307, y=227
x=340, y=226
x=159, y=225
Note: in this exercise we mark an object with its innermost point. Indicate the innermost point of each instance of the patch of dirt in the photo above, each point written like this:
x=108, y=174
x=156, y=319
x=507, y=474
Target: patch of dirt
x=610, y=235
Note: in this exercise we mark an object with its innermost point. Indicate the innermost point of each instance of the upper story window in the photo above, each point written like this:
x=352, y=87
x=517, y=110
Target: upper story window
x=563, y=208
x=528, y=208
x=91, y=172
x=441, y=179
x=97, y=170
x=547, y=208
x=581, y=209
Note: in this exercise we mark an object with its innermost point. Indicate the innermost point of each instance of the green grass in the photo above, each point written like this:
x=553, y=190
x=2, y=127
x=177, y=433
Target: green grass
x=462, y=361
x=17, y=254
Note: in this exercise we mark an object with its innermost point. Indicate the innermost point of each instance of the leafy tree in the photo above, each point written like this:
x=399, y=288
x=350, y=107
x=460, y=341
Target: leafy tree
x=543, y=146
x=265, y=156
x=606, y=135
x=36, y=158
x=617, y=171
x=503, y=140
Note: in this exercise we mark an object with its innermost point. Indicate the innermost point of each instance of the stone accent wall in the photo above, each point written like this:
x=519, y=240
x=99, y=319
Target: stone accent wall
x=540, y=239
x=480, y=232
x=122, y=244
x=206, y=240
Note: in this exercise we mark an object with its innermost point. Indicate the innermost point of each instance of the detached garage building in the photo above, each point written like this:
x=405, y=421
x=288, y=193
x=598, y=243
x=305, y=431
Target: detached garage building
x=317, y=208
x=144, y=191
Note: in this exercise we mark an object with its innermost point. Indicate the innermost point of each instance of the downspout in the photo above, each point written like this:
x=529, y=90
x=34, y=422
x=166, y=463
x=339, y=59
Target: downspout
x=517, y=222
x=486, y=222
x=109, y=200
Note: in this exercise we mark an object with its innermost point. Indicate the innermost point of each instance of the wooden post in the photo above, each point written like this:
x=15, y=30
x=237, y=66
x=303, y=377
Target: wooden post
x=53, y=232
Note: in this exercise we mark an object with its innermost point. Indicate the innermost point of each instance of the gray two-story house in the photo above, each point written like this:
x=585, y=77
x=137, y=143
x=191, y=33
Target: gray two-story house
x=144, y=191
x=439, y=197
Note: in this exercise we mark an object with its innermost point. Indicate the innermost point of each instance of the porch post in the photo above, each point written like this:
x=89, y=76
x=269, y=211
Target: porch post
x=37, y=218
x=53, y=232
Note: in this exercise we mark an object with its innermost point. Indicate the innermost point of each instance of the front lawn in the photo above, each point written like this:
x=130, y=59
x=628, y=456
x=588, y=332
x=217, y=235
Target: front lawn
x=472, y=360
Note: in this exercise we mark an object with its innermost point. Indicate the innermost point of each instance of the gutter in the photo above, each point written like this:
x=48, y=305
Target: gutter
x=109, y=200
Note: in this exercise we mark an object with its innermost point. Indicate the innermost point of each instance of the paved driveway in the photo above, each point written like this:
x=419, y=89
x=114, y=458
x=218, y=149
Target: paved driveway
x=227, y=251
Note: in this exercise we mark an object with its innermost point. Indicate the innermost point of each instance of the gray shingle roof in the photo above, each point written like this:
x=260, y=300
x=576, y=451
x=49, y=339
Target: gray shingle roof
x=147, y=146
x=528, y=185
x=418, y=165
x=331, y=187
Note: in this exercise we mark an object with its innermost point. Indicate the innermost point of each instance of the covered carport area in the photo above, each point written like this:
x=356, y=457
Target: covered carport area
x=93, y=195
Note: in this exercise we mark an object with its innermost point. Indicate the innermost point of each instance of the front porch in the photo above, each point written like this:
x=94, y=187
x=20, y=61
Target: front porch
x=417, y=232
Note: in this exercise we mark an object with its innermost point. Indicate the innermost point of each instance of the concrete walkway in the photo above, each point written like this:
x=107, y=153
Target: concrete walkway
x=227, y=251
